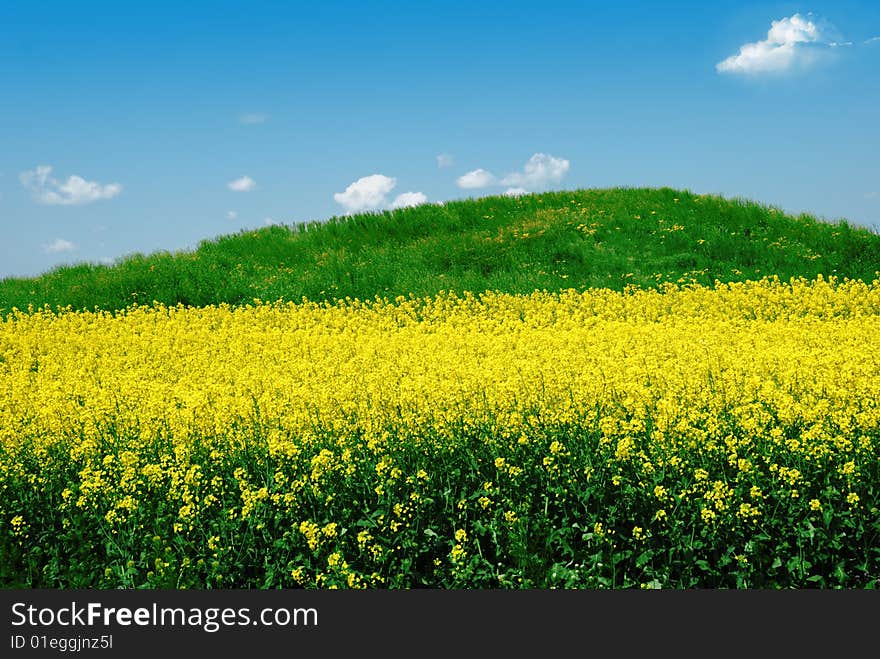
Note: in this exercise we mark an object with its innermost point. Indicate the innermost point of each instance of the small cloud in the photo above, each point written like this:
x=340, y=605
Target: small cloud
x=478, y=178
x=872, y=40
x=872, y=195
x=253, y=118
x=365, y=194
x=231, y=215
x=369, y=193
x=515, y=192
x=74, y=191
x=408, y=199
x=243, y=184
x=541, y=171
x=59, y=245
x=445, y=160
x=268, y=221
x=106, y=260
x=793, y=42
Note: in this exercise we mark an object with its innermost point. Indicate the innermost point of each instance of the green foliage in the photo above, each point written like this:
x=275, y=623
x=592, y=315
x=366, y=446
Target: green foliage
x=555, y=509
x=579, y=239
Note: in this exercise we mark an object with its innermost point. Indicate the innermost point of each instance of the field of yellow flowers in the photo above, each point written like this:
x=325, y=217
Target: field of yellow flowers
x=689, y=436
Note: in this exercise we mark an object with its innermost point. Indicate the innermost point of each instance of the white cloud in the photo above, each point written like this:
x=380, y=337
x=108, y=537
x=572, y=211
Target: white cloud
x=871, y=195
x=515, y=192
x=253, y=118
x=445, y=160
x=231, y=215
x=243, y=184
x=75, y=190
x=106, y=260
x=408, y=199
x=541, y=171
x=59, y=245
x=367, y=193
x=370, y=193
x=793, y=42
x=872, y=40
x=478, y=178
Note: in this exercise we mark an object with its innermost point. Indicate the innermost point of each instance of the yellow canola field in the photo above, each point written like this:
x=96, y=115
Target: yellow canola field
x=692, y=393
x=807, y=349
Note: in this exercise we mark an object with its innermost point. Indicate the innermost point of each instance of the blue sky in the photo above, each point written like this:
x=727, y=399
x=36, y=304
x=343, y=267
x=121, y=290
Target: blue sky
x=130, y=129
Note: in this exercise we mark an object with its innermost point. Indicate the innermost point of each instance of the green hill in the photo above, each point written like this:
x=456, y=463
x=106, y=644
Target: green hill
x=574, y=239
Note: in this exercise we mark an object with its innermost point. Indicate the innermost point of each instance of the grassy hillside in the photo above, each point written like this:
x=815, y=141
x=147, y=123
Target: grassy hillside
x=578, y=239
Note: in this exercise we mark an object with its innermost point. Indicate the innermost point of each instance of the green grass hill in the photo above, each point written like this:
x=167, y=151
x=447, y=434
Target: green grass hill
x=574, y=239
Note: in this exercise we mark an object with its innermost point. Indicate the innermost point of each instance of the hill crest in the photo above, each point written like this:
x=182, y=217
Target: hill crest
x=588, y=238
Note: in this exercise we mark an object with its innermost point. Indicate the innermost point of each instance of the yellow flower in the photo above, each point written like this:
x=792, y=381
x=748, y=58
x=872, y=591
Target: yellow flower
x=457, y=554
x=815, y=504
x=312, y=533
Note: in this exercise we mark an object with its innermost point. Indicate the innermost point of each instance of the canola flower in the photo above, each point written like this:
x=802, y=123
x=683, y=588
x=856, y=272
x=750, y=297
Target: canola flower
x=683, y=436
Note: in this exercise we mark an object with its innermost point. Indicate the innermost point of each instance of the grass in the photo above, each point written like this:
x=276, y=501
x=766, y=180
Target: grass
x=600, y=238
